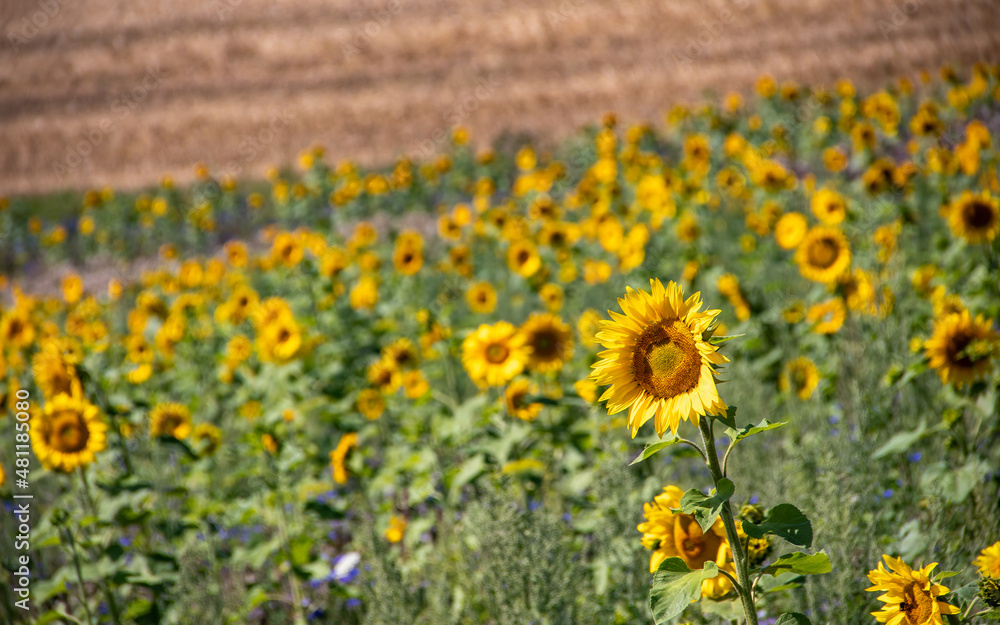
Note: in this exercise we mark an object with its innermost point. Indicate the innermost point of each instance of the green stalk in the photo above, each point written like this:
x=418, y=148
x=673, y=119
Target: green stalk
x=739, y=555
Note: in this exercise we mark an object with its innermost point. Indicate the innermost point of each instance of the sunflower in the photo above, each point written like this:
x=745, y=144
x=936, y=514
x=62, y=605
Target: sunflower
x=988, y=561
x=408, y=255
x=823, y=255
x=588, y=326
x=364, y=295
x=381, y=375
x=172, y=420
x=54, y=370
x=523, y=258
x=68, y=432
x=415, y=384
x=280, y=340
x=829, y=206
x=370, y=403
x=790, y=230
x=208, y=437
x=552, y=295
x=657, y=363
x=827, y=316
x=910, y=597
x=494, y=354
x=975, y=217
x=338, y=457
x=550, y=340
x=858, y=289
x=515, y=399
x=72, y=288
x=799, y=376
x=400, y=354
x=287, y=249
x=961, y=347
x=397, y=528
x=676, y=535
x=16, y=329
x=482, y=297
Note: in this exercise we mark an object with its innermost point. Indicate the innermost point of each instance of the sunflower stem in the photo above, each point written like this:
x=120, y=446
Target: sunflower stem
x=735, y=545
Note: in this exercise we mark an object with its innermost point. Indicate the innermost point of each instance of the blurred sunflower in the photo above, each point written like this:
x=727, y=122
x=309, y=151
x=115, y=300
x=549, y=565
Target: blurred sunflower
x=828, y=206
x=975, y=217
x=494, y=354
x=824, y=254
x=550, y=340
x=370, y=403
x=397, y=529
x=676, y=535
x=961, y=348
x=523, y=258
x=383, y=376
x=910, y=597
x=68, y=433
x=415, y=384
x=515, y=397
x=338, y=457
x=656, y=361
x=53, y=369
x=208, y=438
x=408, y=255
x=16, y=329
x=400, y=354
x=790, y=230
x=828, y=316
x=364, y=295
x=481, y=297
x=279, y=340
x=172, y=420
x=800, y=377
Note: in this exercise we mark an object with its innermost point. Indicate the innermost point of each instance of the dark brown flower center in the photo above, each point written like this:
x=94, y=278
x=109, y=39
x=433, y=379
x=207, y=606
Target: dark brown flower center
x=69, y=432
x=978, y=215
x=823, y=253
x=496, y=353
x=665, y=360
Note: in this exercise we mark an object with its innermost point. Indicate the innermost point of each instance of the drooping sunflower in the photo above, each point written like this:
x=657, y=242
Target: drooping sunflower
x=170, y=420
x=975, y=217
x=482, y=298
x=656, y=361
x=68, y=433
x=988, y=561
x=961, y=347
x=550, y=340
x=823, y=255
x=800, y=377
x=515, y=398
x=494, y=354
x=910, y=597
x=676, y=535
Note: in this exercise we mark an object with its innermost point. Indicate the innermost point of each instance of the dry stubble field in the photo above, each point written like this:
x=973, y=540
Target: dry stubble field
x=113, y=92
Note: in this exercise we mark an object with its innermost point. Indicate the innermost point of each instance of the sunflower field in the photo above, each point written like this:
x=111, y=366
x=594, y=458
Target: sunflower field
x=737, y=367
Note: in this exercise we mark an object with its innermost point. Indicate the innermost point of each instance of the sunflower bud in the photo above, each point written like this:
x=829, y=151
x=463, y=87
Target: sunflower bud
x=752, y=513
x=989, y=591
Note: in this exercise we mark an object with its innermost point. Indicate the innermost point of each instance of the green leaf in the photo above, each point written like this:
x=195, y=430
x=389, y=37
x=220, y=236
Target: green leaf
x=470, y=470
x=706, y=508
x=780, y=582
x=994, y=613
x=719, y=340
x=900, y=442
x=750, y=430
x=675, y=587
x=792, y=618
x=652, y=448
x=801, y=563
x=786, y=521
x=728, y=419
